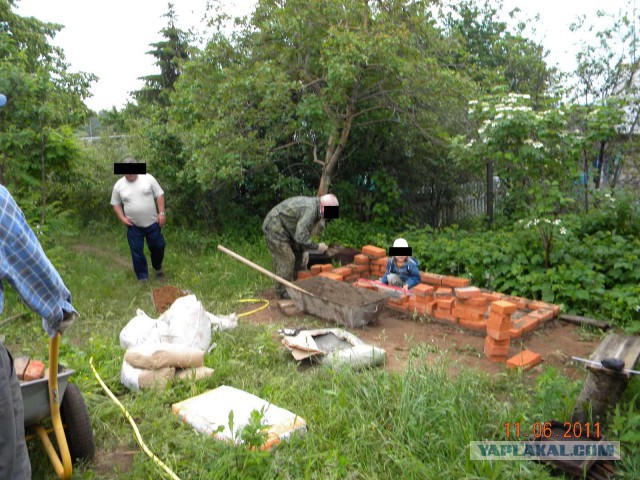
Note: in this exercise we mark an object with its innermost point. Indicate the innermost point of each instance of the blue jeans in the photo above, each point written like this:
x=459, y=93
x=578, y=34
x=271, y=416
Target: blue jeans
x=155, y=242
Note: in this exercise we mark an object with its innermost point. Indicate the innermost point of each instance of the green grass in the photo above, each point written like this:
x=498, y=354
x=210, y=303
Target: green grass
x=361, y=425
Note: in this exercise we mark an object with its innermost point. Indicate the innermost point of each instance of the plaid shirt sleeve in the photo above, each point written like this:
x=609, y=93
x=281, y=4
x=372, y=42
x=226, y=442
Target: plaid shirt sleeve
x=24, y=265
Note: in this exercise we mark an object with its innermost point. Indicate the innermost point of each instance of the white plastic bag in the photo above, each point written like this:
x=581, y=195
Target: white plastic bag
x=141, y=329
x=187, y=324
x=223, y=322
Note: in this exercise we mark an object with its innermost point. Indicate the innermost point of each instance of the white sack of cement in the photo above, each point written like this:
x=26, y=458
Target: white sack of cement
x=142, y=329
x=139, y=379
x=152, y=356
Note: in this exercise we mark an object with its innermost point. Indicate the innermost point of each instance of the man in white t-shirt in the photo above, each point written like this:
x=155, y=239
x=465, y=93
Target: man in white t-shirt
x=134, y=199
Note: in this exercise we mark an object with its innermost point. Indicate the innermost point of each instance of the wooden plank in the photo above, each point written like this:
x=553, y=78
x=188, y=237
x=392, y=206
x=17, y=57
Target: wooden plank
x=578, y=320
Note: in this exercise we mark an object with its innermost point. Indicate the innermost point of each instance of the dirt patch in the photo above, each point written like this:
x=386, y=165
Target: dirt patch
x=100, y=252
x=398, y=334
x=340, y=293
x=163, y=297
x=115, y=462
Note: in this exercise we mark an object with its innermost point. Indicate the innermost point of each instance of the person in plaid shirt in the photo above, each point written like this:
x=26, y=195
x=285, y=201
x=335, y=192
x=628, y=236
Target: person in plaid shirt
x=24, y=265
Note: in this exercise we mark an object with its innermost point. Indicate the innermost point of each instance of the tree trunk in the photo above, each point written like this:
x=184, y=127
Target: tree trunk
x=43, y=186
x=334, y=150
x=585, y=171
x=598, y=179
x=489, y=193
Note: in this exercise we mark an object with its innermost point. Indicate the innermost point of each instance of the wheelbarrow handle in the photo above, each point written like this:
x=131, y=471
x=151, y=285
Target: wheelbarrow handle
x=62, y=463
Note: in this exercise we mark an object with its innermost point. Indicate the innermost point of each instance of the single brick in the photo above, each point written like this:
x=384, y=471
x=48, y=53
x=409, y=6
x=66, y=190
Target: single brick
x=316, y=269
x=327, y=267
x=493, y=296
x=503, y=308
x=20, y=364
x=444, y=292
x=374, y=252
x=366, y=285
x=331, y=276
x=455, y=282
x=423, y=290
x=342, y=271
x=380, y=262
x=34, y=371
x=361, y=259
x=520, y=303
x=305, y=274
x=467, y=292
x=494, y=347
x=526, y=359
x=499, y=322
x=361, y=268
x=523, y=325
x=498, y=334
x=497, y=358
x=479, y=326
x=478, y=301
x=445, y=303
x=543, y=314
x=431, y=278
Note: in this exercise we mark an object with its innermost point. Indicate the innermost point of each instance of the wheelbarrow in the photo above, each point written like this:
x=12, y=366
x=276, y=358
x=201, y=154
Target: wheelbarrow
x=61, y=401
x=365, y=312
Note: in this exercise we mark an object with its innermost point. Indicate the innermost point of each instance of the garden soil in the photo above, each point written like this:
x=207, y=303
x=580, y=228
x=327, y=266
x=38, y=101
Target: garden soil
x=163, y=297
x=400, y=334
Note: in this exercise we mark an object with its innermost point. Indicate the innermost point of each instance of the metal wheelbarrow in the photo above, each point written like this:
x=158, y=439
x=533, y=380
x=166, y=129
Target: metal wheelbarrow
x=61, y=401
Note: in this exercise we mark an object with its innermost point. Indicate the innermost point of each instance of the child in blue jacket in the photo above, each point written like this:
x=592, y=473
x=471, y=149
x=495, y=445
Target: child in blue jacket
x=402, y=270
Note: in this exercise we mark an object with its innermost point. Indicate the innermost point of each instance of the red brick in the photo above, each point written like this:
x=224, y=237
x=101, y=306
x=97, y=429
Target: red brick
x=520, y=303
x=494, y=347
x=445, y=303
x=373, y=252
x=480, y=326
x=316, y=269
x=331, y=276
x=361, y=259
x=20, y=364
x=352, y=278
x=478, y=302
x=342, y=271
x=444, y=314
x=34, y=371
x=305, y=274
x=493, y=296
x=503, y=308
x=543, y=315
x=423, y=290
x=361, y=268
x=455, y=282
x=498, y=334
x=467, y=292
x=444, y=292
x=381, y=262
x=526, y=359
x=431, y=278
x=499, y=322
x=497, y=358
x=523, y=325
x=366, y=285
x=327, y=267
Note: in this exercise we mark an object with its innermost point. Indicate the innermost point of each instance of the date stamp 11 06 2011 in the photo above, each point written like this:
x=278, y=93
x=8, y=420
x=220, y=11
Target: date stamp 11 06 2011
x=545, y=430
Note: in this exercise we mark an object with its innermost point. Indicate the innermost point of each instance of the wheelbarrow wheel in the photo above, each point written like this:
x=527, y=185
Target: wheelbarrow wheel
x=78, y=431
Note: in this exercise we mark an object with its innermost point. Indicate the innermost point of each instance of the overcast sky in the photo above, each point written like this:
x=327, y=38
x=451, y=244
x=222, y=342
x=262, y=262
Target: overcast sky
x=111, y=38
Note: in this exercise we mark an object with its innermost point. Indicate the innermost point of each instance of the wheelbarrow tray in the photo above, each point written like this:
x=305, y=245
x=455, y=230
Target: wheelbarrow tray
x=35, y=396
x=339, y=302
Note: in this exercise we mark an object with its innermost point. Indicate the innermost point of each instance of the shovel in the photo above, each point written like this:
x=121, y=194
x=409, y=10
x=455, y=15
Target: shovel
x=286, y=283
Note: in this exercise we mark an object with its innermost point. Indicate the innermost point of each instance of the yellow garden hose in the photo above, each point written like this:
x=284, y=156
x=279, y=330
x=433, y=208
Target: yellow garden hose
x=253, y=300
x=133, y=425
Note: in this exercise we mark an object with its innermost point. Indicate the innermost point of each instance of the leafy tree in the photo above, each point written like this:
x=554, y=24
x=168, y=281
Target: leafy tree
x=308, y=76
x=606, y=81
x=45, y=99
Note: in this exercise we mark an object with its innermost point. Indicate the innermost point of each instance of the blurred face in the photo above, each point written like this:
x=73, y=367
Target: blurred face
x=401, y=259
x=131, y=177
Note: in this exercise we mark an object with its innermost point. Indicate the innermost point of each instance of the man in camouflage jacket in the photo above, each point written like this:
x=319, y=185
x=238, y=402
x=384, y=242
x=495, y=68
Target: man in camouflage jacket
x=288, y=229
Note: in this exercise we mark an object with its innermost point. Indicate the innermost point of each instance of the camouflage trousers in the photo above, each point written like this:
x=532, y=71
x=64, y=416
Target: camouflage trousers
x=288, y=259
